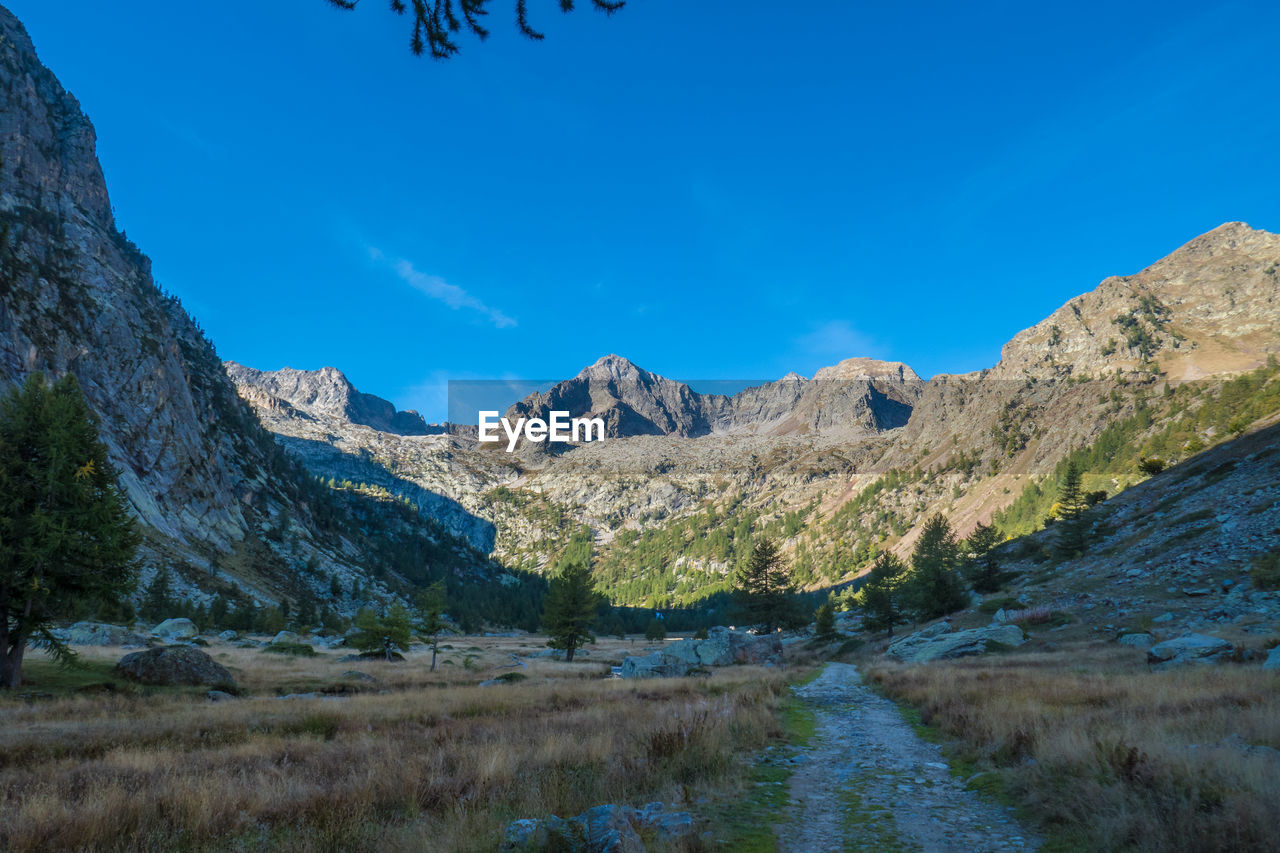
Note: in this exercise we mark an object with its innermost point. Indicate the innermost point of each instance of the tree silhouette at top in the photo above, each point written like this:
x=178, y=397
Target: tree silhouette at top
x=437, y=22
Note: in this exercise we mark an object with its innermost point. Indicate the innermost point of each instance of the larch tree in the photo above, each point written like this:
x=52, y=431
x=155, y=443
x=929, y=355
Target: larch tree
x=763, y=591
x=1071, y=530
x=880, y=596
x=935, y=586
x=66, y=536
x=570, y=608
x=431, y=604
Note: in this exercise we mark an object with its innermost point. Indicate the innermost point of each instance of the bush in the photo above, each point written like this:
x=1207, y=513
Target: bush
x=1266, y=571
x=1151, y=465
x=301, y=650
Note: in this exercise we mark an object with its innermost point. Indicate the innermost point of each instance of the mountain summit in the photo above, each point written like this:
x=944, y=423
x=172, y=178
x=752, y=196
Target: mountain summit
x=327, y=391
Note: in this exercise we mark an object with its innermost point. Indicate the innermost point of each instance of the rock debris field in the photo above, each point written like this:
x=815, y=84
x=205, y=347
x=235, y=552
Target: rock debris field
x=867, y=781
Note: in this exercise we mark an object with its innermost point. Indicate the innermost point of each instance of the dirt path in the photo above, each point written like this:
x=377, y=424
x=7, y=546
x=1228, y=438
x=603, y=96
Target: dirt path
x=866, y=781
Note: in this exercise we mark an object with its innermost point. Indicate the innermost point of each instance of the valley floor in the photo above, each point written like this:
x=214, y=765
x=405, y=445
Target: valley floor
x=867, y=781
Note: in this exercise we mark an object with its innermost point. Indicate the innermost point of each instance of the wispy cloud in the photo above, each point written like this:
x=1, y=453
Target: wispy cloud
x=437, y=288
x=835, y=339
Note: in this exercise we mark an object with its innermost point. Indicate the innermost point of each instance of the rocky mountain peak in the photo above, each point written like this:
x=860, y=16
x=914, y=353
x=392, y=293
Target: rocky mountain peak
x=326, y=392
x=1211, y=306
x=868, y=369
x=48, y=145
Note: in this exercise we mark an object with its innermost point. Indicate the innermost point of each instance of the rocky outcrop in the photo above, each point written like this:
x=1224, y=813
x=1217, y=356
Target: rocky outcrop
x=99, y=634
x=77, y=297
x=326, y=392
x=721, y=648
x=175, y=665
x=940, y=642
x=174, y=630
x=1189, y=648
x=603, y=829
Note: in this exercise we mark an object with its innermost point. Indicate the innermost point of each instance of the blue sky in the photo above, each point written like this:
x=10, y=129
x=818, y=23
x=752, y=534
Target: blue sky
x=716, y=189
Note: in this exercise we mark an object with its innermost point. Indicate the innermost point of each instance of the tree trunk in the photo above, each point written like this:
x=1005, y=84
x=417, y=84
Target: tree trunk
x=11, y=664
x=568, y=653
x=435, y=644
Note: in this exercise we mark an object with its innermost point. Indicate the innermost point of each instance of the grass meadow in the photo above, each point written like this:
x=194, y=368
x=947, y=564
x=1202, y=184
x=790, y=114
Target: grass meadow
x=414, y=760
x=1105, y=754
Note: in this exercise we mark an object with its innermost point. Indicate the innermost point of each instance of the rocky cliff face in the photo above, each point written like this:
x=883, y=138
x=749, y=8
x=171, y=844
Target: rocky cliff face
x=859, y=396
x=218, y=502
x=76, y=296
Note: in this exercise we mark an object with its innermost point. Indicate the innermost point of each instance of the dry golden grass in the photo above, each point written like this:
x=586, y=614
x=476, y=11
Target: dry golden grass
x=1109, y=755
x=431, y=762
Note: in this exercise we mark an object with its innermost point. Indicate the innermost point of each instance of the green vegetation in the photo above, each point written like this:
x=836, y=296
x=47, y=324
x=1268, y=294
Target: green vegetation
x=982, y=562
x=387, y=633
x=935, y=586
x=1169, y=427
x=763, y=593
x=1265, y=571
x=881, y=596
x=1072, y=526
x=572, y=604
x=66, y=537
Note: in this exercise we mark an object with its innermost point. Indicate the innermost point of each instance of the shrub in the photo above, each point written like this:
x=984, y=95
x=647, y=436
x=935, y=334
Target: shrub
x=1266, y=571
x=1151, y=465
x=296, y=649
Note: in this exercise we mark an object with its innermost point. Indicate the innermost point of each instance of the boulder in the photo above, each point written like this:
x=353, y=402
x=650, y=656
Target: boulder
x=932, y=644
x=603, y=829
x=229, y=636
x=285, y=637
x=1189, y=648
x=1138, y=641
x=101, y=634
x=1273, y=659
x=654, y=665
x=176, y=629
x=721, y=648
x=174, y=665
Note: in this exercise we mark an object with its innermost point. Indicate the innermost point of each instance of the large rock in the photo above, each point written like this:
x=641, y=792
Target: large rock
x=1189, y=648
x=721, y=648
x=101, y=634
x=176, y=629
x=174, y=665
x=1139, y=641
x=1273, y=659
x=285, y=637
x=603, y=829
x=934, y=644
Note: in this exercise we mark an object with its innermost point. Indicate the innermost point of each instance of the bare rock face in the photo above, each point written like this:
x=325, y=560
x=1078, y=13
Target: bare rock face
x=937, y=643
x=328, y=392
x=77, y=297
x=860, y=396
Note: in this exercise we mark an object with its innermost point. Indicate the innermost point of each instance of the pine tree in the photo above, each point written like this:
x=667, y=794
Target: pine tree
x=935, y=587
x=66, y=536
x=981, y=563
x=570, y=608
x=763, y=591
x=431, y=603
x=824, y=622
x=655, y=631
x=157, y=599
x=880, y=596
x=1071, y=530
